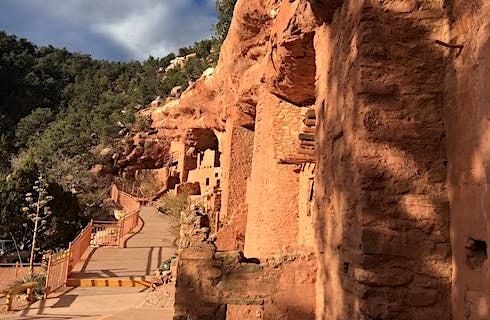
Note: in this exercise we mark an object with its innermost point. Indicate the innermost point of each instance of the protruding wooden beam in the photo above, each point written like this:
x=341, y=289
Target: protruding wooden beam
x=306, y=151
x=296, y=159
x=306, y=137
x=311, y=130
x=307, y=144
x=309, y=122
x=310, y=114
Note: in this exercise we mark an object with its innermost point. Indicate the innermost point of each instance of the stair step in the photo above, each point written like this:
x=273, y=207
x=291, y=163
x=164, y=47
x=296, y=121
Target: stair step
x=117, y=282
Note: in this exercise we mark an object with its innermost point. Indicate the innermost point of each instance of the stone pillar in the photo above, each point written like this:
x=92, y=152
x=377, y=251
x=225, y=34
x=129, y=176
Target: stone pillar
x=272, y=220
x=382, y=214
x=236, y=164
x=468, y=124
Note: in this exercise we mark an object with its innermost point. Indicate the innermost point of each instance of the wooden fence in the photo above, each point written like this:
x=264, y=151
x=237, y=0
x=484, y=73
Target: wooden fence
x=105, y=234
x=57, y=273
x=127, y=201
x=127, y=224
x=96, y=234
x=79, y=246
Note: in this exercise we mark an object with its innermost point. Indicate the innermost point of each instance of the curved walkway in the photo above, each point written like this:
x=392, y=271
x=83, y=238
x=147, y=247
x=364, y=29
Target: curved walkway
x=152, y=243
x=144, y=251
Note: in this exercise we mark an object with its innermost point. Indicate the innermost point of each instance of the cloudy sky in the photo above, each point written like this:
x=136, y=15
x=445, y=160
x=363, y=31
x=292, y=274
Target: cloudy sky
x=110, y=29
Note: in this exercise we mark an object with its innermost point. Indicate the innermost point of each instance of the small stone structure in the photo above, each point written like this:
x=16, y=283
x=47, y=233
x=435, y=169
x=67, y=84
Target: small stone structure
x=225, y=285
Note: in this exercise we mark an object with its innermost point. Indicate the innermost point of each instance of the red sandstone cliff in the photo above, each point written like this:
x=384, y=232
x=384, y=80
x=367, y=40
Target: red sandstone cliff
x=400, y=224
x=269, y=46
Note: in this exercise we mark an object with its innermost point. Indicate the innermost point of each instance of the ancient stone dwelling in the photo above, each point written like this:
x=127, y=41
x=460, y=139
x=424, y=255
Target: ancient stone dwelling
x=353, y=142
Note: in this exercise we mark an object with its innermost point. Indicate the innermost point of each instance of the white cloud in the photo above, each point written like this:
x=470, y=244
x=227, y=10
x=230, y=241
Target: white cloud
x=142, y=27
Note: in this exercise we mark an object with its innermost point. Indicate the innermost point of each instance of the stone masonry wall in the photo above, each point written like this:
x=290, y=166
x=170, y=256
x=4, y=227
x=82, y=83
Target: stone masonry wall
x=467, y=116
x=225, y=285
x=236, y=164
x=272, y=196
x=400, y=218
x=382, y=213
x=306, y=234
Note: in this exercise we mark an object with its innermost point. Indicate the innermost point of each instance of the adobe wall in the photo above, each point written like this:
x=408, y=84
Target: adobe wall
x=382, y=211
x=184, y=163
x=224, y=285
x=306, y=233
x=468, y=114
x=236, y=164
x=216, y=286
x=272, y=196
x=202, y=175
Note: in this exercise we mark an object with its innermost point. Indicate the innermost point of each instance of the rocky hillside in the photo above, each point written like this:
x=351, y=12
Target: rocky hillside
x=77, y=121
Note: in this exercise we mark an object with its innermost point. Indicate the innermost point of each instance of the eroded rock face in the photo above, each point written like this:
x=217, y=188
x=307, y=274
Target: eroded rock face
x=269, y=42
x=142, y=151
x=400, y=145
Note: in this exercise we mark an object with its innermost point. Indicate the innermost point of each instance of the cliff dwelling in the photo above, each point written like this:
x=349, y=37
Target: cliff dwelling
x=352, y=164
x=344, y=147
x=335, y=163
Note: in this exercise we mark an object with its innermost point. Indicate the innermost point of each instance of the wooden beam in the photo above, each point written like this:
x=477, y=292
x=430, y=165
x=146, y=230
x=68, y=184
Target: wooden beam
x=311, y=130
x=307, y=151
x=309, y=122
x=296, y=159
x=306, y=137
x=449, y=45
x=310, y=114
x=307, y=144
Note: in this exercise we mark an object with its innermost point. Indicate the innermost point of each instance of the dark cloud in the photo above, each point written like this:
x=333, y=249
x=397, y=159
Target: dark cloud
x=110, y=29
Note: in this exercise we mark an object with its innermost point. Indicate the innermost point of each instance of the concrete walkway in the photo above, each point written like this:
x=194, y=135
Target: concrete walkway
x=82, y=303
x=143, y=253
x=145, y=250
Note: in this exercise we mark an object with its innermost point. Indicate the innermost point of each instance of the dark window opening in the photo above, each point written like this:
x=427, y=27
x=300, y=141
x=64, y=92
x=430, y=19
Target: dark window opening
x=476, y=253
x=218, y=183
x=312, y=190
x=207, y=181
x=346, y=267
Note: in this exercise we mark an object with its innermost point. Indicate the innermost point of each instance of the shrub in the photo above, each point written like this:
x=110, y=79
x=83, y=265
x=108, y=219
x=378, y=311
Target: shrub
x=148, y=183
x=172, y=205
x=40, y=278
x=32, y=126
x=142, y=123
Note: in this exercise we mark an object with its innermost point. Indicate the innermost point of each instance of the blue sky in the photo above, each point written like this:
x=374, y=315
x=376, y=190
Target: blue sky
x=110, y=29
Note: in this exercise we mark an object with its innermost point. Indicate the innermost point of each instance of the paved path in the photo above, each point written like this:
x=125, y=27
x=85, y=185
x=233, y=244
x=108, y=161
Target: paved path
x=144, y=252
x=142, y=255
x=82, y=303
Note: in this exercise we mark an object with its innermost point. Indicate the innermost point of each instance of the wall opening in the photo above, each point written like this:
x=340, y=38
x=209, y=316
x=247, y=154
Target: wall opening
x=476, y=253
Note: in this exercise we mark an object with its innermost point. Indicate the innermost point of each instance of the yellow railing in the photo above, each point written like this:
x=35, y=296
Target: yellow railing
x=97, y=234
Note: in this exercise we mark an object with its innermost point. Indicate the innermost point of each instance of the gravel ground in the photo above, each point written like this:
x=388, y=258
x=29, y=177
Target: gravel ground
x=162, y=298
